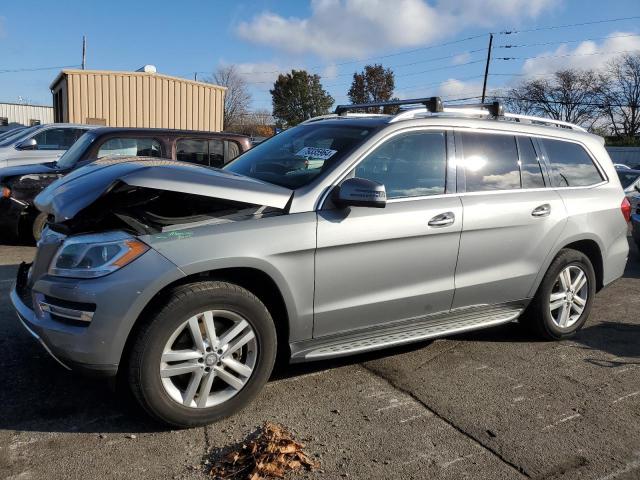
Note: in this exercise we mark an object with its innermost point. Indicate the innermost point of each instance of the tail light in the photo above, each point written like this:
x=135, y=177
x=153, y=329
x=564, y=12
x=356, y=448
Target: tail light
x=626, y=209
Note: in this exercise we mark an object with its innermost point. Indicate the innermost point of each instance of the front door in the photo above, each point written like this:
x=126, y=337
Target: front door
x=376, y=266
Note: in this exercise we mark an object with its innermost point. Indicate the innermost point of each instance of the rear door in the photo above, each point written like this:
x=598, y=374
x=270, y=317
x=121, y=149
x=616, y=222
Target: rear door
x=379, y=265
x=511, y=218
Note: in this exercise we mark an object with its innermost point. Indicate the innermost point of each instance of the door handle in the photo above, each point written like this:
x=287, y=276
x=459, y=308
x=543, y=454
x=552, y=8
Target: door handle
x=442, y=220
x=542, y=211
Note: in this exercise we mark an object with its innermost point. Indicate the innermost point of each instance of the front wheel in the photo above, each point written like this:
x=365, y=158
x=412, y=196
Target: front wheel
x=204, y=355
x=563, y=301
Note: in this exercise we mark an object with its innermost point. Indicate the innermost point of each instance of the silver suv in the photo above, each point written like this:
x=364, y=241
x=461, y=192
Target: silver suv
x=348, y=233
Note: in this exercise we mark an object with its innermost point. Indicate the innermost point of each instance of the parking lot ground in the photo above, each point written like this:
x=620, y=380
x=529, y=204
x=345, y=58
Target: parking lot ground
x=492, y=404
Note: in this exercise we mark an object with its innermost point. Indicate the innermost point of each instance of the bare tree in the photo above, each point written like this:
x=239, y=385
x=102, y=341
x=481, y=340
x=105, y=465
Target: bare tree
x=568, y=95
x=237, y=98
x=259, y=123
x=621, y=95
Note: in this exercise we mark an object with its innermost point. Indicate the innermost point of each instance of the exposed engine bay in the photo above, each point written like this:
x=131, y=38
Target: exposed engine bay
x=143, y=210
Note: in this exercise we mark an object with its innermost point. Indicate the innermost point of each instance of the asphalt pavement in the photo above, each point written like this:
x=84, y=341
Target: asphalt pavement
x=494, y=404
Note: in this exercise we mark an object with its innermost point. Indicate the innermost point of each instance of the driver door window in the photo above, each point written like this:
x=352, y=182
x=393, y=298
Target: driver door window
x=408, y=165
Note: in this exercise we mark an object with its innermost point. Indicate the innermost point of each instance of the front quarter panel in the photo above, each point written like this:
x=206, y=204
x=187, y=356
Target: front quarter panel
x=280, y=246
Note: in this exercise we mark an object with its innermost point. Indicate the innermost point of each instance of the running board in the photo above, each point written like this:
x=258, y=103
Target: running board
x=399, y=333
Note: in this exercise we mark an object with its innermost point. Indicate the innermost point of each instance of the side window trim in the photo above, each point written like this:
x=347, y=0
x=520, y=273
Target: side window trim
x=536, y=149
x=543, y=159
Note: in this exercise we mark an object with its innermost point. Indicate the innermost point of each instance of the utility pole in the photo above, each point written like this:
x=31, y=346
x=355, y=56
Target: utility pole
x=84, y=51
x=486, y=68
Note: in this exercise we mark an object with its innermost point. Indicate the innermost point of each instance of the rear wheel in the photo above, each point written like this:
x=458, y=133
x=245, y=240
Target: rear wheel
x=563, y=301
x=204, y=355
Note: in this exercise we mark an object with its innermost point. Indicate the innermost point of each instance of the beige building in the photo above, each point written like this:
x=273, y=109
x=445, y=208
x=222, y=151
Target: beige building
x=136, y=99
x=16, y=114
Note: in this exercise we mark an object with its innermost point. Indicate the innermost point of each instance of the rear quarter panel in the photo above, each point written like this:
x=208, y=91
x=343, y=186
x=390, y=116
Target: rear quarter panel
x=593, y=213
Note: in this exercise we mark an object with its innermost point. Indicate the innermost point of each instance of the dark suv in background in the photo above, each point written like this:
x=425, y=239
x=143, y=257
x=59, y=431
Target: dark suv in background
x=19, y=185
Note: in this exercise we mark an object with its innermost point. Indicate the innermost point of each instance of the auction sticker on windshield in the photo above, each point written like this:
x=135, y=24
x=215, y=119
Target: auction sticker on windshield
x=316, y=153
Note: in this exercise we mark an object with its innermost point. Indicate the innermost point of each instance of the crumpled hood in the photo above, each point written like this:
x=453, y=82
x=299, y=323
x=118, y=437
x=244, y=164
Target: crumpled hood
x=69, y=195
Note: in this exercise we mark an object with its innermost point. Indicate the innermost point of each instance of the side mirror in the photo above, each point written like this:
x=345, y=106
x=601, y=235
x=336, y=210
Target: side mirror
x=29, y=144
x=360, y=192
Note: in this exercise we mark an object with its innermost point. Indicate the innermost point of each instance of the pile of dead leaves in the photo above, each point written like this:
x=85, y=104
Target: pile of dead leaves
x=268, y=452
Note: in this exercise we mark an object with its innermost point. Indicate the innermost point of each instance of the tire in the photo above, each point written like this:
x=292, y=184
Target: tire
x=548, y=323
x=169, y=397
x=38, y=225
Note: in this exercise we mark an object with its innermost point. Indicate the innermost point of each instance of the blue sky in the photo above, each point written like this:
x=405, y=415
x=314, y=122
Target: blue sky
x=328, y=37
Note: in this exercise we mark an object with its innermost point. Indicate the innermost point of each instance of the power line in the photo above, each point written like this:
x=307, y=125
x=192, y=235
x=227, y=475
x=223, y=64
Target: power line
x=559, y=102
x=568, y=55
x=37, y=69
x=541, y=44
x=555, y=27
x=377, y=57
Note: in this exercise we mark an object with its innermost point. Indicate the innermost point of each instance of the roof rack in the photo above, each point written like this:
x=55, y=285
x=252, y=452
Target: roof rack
x=432, y=104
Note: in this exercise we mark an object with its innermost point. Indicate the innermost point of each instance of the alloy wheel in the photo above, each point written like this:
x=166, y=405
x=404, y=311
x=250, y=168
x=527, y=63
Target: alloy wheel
x=208, y=359
x=569, y=296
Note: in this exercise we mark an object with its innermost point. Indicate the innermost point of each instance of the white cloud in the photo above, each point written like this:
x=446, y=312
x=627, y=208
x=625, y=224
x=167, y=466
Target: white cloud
x=350, y=28
x=461, y=58
x=453, y=88
x=586, y=55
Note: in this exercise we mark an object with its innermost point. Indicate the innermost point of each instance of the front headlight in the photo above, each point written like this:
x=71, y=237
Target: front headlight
x=95, y=255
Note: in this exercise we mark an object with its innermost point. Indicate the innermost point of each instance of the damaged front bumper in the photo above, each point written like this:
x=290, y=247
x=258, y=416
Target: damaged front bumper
x=85, y=323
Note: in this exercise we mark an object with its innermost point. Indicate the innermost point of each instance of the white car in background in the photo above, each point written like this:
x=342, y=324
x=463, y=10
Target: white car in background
x=39, y=144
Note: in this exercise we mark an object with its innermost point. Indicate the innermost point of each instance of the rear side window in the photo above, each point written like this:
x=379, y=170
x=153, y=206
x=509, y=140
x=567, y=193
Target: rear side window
x=125, y=147
x=201, y=151
x=571, y=166
x=193, y=151
x=216, y=153
x=490, y=162
x=530, y=168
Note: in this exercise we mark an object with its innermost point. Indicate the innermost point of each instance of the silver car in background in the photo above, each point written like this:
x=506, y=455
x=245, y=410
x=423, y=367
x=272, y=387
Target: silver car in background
x=348, y=233
x=38, y=144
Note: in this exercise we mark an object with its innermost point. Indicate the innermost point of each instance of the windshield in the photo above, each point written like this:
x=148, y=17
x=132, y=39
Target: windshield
x=10, y=133
x=18, y=136
x=297, y=156
x=75, y=152
x=627, y=178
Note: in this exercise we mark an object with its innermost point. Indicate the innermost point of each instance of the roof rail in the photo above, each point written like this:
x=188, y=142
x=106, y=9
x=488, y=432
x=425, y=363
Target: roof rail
x=432, y=104
x=544, y=121
x=333, y=115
